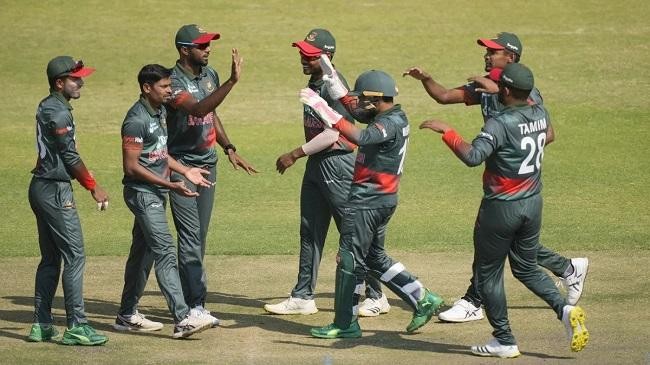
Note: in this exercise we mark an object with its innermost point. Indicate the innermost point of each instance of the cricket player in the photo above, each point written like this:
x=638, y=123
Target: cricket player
x=504, y=49
x=371, y=202
x=325, y=184
x=53, y=204
x=147, y=166
x=194, y=130
x=509, y=220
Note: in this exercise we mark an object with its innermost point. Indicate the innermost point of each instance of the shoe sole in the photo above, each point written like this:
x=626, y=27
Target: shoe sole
x=463, y=320
x=179, y=335
x=339, y=335
x=304, y=313
x=80, y=342
x=121, y=328
x=584, y=283
x=580, y=335
x=367, y=313
x=490, y=354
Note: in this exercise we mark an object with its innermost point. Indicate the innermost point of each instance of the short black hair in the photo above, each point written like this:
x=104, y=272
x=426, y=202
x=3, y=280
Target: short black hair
x=152, y=73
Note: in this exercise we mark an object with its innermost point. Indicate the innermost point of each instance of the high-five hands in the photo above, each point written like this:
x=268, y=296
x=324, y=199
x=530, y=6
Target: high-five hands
x=328, y=115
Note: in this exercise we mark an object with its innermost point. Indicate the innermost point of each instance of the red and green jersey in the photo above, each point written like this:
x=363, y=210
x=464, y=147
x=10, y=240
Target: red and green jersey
x=512, y=146
x=145, y=128
x=55, y=139
x=313, y=124
x=490, y=105
x=380, y=160
x=192, y=139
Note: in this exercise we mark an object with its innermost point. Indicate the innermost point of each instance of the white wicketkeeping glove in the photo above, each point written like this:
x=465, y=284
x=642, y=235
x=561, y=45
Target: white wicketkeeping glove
x=328, y=115
x=333, y=84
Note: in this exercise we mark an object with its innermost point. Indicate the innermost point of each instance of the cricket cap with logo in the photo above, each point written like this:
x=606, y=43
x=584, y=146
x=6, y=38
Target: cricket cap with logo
x=374, y=83
x=316, y=42
x=503, y=40
x=62, y=66
x=192, y=35
x=517, y=76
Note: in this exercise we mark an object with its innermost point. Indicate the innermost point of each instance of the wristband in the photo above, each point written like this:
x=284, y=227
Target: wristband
x=229, y=146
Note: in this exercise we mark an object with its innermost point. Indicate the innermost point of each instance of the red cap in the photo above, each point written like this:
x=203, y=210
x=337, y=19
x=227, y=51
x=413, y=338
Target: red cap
x=495, y=74
x=307, y=49
x=82, y=72
x=206, y=38
x=489, y=43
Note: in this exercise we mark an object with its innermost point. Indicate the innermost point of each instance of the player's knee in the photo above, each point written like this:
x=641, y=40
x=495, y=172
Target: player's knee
x=346, y=260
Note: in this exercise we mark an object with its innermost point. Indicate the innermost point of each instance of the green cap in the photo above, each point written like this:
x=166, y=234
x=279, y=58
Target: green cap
x=66, y=66
x=503, y=40
x=192, y=35
x=374, y=83
x=316, y=42
x=518, y=76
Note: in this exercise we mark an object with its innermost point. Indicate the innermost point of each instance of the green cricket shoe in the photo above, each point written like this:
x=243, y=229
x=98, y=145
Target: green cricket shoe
x=427, y=306
x=40, y=333
x=83, y=334
x=333, y=331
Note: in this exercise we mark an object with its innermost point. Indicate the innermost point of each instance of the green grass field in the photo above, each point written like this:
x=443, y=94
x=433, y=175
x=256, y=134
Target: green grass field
x=588, y=58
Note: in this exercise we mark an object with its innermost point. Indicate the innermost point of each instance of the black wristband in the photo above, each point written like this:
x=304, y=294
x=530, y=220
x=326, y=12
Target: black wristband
x=229, y=146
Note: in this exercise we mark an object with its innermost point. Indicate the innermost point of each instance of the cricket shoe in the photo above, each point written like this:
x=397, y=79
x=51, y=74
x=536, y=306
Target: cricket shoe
x=575, y=282
x=372, y=307
x=83, y=334
x=462, y=311
x=293, y=306
x=333, y=331
x=191, y=324
x=495, y=349
x=428, y=306
x=136, y=322
x=40, y=333
x=199, y=310
x=574, y=323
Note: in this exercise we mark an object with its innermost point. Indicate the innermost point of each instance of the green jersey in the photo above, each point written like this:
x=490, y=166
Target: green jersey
x=313, y=124
x=512, y=146
x=55, y=139
x=380, y=160
x=192, y=139
x=145, y=128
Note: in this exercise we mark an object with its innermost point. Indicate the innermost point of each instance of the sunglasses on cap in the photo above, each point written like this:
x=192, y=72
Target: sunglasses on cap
x=77, y=66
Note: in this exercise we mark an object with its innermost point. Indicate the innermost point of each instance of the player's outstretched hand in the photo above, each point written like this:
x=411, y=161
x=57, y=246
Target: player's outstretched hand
x=435, y=125
x=179, y=187
x=196, y=176
x=235, y=68
x=100, y=196
x=328, y=115
x=416, y=73
x=333, y=83
x=236, y=161
x=487, y=86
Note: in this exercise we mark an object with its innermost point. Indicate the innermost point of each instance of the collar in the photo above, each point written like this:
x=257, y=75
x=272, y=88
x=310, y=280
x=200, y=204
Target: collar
x=189, y=74
x=61, y=98
x=150, y=109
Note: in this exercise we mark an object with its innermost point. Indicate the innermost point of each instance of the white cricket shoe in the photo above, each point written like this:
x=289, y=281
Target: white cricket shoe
x=373, y=307
x=461, y=311
x=574, y=323
x=575, y=282
x=191, y=324
x=199, y=311
x=495, y=349
x=293, y=306
x=136, y=322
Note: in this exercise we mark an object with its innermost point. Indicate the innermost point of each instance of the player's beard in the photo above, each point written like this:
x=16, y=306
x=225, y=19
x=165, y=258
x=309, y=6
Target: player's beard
x=364, y=112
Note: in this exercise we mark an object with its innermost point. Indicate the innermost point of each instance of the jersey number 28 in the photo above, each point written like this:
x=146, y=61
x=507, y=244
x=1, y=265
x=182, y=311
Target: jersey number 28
x=535, y=152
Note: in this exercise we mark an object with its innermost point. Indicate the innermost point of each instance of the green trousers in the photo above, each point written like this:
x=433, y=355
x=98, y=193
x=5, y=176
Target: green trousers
x=59, y=239
x=324, y=191
x=510, y=229
x=192, y=220
x=362, y=255
x=152, y=244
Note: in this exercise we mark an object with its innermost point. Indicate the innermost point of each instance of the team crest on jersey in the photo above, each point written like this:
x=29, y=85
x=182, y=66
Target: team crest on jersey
x=209, y=86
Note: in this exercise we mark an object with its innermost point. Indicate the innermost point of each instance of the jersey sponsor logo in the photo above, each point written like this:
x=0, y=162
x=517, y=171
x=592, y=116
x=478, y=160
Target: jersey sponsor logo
x=153, y=126
x=193, y=121
x=535, y=126
x=192, y=89
x=131, y=142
